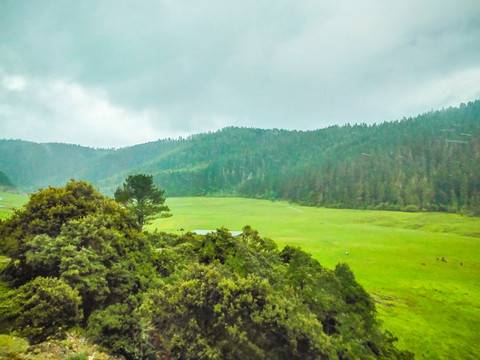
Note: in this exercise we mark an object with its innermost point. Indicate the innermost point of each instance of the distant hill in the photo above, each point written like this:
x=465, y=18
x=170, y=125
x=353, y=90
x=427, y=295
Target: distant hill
x=429, y=162
x=5, y=183
x=31, y=165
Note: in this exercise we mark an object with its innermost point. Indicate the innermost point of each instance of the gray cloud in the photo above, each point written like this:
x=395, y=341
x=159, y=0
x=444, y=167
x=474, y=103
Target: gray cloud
x=191, y=66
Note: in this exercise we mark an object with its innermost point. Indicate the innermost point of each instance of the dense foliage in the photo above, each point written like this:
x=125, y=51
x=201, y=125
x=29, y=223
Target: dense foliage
x=430, y=162
x=79, y=259
x=40, y=308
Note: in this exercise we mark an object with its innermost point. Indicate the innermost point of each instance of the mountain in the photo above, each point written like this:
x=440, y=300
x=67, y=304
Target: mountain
x=429, y=162
x=5, y=183
x=31, y=165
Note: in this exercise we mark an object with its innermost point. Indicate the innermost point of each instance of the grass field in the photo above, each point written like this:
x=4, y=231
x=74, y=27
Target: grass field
x=10, y=202
x=431, y=305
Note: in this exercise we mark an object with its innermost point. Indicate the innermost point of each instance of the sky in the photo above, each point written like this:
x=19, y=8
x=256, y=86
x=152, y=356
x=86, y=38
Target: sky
x=115, y=73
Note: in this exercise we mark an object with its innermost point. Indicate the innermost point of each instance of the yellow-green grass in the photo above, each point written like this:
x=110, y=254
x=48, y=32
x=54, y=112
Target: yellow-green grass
x=436, y=304
x=10, y=202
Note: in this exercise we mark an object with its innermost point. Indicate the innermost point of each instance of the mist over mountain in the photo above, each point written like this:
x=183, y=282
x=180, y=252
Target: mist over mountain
x=429, y=162
x=5, y=183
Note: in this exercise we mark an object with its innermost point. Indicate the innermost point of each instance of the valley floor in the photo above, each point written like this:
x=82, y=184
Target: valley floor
x=431, y=305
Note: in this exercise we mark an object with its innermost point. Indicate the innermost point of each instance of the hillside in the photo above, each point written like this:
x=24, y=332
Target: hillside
x=429, y=162
x=5, y=183
x=31, y=166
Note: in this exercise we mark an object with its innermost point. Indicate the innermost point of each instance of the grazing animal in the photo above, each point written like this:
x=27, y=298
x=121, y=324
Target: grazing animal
x=443, y=259
x=461, y=264
x=346, y=252
x=423, y=264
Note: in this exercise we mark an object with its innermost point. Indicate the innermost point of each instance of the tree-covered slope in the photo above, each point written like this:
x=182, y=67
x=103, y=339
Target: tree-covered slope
x=5, y=183
x=31, y=165
x=428, y=162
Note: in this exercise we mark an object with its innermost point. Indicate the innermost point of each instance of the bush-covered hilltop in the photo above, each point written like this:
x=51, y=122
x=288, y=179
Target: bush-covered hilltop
x=430, y=162
x=78, y=259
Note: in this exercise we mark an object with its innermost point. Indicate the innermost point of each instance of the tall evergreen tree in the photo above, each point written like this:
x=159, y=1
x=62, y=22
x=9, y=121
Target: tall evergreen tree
x=142, y=197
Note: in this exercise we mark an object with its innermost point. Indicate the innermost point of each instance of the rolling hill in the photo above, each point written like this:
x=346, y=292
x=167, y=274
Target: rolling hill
x=5, y=183
x=429, y=162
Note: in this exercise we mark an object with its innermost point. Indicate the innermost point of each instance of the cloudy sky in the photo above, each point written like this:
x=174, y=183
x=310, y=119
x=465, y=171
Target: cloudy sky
x=113, y=73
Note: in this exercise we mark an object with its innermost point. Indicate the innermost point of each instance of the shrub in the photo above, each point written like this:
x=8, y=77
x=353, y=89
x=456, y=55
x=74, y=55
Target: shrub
x=411, y=208
x=46, y=214
x=119, y=328
x=41, y=308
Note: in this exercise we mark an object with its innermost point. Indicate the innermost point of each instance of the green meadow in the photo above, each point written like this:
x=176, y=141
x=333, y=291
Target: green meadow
x=432, y=306
x=9, y=202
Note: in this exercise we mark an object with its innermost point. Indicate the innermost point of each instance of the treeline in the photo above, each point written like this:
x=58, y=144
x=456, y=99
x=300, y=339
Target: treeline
x=433, y=165
x=79, y=259
x=430, y=162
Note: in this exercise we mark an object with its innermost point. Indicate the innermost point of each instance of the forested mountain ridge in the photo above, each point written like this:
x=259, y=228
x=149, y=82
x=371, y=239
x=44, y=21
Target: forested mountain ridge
x=30, y=165
x=5, y=182
x=428, y=162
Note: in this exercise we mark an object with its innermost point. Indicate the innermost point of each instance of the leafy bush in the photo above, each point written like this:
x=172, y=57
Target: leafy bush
x=81, y=356
x=244, y=298
x=210, y=313
x=411, y=208
x=119, y=328
x=46, y=213
x=40, y=308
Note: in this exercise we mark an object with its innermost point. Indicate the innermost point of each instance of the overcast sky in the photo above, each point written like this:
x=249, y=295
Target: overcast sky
x=116, y=73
